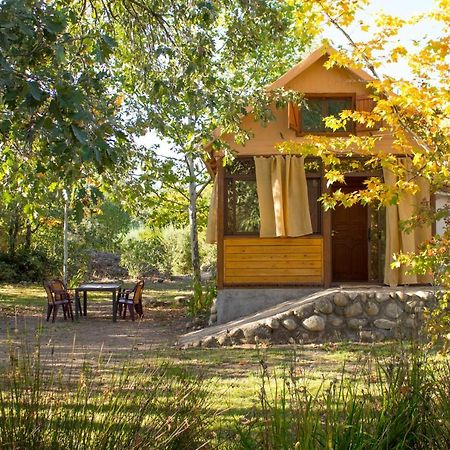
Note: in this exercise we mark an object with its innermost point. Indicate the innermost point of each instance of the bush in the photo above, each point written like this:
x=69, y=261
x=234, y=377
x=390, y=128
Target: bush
x=167, y=250
x=143, y=252
x=8, y=272
x=30, y=265
x=178, y=249
x=202, y=298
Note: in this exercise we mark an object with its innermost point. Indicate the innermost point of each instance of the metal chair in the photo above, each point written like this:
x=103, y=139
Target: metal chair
x=131, y=299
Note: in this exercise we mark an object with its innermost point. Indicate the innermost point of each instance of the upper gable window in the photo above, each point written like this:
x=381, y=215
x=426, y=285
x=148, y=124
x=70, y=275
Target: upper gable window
x=316, y=108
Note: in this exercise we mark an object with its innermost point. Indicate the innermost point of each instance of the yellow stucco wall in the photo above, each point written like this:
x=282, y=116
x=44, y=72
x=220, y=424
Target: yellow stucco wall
x=315, y=79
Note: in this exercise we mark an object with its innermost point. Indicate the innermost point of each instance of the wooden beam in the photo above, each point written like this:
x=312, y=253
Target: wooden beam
x=433, y=208
x=220, y=222
x=326, y=231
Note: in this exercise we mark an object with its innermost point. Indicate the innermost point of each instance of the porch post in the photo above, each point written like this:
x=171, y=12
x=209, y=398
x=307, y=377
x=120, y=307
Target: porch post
x=326, y=234
x=220, y=222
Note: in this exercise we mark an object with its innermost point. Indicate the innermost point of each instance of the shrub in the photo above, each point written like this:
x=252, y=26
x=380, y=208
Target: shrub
x=178, y=247
x=143, y=252
x=202, y=298
x=26, y=265
x=167, y=250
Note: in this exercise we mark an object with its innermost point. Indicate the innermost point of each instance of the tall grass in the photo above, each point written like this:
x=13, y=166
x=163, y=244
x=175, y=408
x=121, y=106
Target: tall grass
x=397, y=403
x=94, y=408
x=400, y=402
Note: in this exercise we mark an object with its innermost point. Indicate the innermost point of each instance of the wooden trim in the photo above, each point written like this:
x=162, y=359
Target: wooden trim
x=327, y=95
x=271, y=285
x=220, y=222
x=294, y=117
x=326, y=232
x=433, y=208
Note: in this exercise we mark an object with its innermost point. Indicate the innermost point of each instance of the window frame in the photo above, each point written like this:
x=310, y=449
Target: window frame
x=229, y=177
x=247, y=177
x=328, y=96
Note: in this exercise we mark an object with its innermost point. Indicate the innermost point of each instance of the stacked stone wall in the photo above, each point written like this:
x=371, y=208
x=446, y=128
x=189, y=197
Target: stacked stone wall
x=359, y=315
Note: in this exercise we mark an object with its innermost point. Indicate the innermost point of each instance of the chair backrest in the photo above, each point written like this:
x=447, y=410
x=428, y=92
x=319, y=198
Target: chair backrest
x=48, y=290
x=138, y=289
x=59, y=287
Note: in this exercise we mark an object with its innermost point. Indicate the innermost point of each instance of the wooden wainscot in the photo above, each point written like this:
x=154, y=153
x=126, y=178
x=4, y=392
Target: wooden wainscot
x=252, y=260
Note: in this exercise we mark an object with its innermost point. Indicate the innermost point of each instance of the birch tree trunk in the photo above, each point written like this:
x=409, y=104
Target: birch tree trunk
x=195, y=253
x=65, y=238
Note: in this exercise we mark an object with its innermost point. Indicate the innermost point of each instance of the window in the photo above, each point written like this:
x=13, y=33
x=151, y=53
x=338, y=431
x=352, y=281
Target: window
x=317, y=108
x=241, y=198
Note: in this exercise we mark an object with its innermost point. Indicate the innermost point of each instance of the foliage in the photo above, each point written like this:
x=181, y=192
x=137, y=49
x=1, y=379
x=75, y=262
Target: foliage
x=144, y=253
x=166, y=250
x=60, y=117
x=24, y=266
x=177, y=246
x=414, y=109
x=105, y=227
x=202, y=298
x=152, y=409
x=403, y=404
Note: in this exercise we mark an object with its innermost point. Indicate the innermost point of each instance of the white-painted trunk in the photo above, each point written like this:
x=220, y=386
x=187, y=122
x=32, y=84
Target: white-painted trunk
x=195, y=253
x=65, y=239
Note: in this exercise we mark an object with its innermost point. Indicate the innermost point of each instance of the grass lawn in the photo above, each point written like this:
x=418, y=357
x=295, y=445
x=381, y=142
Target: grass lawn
x=234, y=371
x=232, y=376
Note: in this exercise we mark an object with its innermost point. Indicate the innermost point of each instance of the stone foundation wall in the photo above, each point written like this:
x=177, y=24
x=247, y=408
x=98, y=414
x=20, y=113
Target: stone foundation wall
x=360, y=315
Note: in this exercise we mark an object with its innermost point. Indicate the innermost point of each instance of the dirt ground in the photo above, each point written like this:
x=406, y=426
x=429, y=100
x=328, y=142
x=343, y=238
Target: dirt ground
x=94, y=334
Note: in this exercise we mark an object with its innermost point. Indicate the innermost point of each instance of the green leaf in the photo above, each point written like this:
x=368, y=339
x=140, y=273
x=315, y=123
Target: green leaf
x=48, y=123
x=35, y=90
x=59, y=53
x=79, y=212
x=54, y=24
x=109, y=41
x=80, y=134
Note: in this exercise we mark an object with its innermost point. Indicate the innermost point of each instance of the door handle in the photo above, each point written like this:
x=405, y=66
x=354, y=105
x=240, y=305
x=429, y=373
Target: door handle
x=333, y=233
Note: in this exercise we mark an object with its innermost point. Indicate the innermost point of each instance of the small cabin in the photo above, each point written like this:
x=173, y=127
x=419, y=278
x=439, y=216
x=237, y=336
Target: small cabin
x=274, y=240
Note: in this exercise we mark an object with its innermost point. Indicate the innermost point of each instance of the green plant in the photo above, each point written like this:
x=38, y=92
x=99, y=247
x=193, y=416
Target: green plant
x=202, y=298
x=177, y=244
x=67, y=408
x=143, y=252
x=31, y=265
x=398, y=403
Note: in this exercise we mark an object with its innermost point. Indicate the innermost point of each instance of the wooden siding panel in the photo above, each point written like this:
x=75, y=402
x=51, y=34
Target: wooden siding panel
x=273, y=261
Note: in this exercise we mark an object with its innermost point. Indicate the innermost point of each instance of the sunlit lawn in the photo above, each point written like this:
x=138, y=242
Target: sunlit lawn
x=233, y=373
x=32, y=296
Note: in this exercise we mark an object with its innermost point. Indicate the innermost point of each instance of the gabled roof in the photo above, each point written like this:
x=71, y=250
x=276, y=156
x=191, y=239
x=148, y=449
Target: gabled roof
x=285, y=79
x=308, y=62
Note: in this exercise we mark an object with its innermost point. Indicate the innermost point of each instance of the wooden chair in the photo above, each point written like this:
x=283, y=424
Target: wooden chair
x=131, y=299
x=58, y=295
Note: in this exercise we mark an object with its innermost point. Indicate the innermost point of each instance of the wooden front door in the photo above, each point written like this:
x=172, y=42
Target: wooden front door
x=349, y=239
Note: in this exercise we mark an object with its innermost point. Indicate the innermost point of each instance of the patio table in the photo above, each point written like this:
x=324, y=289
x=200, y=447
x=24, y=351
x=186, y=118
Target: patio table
x=96, y=287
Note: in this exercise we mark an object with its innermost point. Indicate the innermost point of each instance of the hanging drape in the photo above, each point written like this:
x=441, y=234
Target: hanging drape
x=282, y=196
x=398, y=240
x=211, y=229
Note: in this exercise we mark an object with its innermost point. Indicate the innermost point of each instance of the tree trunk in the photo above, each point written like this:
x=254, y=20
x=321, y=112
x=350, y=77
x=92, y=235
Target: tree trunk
x=13, y=231
x=28, y=236
x=65, y=241
x=195, y=253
